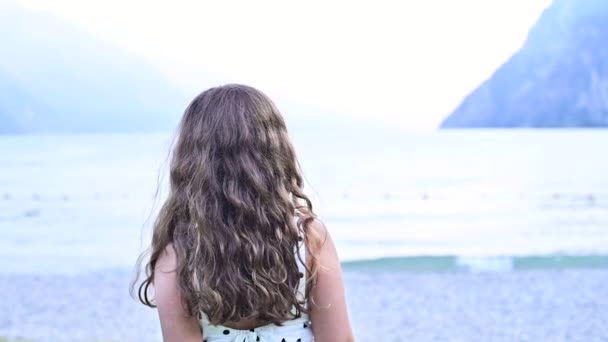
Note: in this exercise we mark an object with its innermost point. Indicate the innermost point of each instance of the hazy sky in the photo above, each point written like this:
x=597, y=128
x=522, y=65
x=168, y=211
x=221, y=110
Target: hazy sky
x=408, y=62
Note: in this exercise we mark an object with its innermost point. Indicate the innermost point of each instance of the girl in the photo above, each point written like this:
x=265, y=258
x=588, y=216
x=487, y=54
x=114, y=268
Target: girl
x=237, y=253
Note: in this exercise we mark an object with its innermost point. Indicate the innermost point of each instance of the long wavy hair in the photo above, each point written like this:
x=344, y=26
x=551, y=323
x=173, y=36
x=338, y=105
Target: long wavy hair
x=235, y=213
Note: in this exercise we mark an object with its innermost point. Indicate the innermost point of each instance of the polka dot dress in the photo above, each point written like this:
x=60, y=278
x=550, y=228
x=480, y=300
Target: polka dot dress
x=298, y=330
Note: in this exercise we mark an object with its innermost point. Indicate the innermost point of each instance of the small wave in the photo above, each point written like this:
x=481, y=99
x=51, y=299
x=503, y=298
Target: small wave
x=478, y=264
x=485, y=264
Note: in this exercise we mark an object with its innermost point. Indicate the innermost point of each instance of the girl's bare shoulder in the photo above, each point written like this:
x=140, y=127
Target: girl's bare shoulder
x=167, y=260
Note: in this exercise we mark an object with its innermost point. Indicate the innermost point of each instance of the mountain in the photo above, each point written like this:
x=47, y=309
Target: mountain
x=58, y=78
x=17, y=108
x=559, y=78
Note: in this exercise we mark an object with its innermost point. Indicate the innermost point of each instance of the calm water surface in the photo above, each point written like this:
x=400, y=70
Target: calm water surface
x=83, y=202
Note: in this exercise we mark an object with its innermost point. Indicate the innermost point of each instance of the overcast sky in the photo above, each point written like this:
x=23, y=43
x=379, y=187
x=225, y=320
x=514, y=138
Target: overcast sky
x=407, y=62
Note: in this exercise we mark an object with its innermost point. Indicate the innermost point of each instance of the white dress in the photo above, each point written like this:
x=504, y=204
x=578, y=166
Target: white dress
x=296, y=330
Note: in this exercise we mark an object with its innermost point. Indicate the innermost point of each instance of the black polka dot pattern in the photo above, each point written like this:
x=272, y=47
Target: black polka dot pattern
x=227, y=331
x=300, y=274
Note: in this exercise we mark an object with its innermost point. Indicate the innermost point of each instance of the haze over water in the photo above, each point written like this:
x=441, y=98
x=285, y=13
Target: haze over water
x=83, y=202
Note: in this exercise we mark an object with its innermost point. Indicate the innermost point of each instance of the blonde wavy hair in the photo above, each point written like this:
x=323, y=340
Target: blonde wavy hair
x=235, y=190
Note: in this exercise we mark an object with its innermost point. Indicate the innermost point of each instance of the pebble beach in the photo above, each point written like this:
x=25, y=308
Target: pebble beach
x=568, y=305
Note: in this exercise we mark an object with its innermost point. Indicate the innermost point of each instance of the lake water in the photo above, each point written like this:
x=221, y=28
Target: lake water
x=481, y=200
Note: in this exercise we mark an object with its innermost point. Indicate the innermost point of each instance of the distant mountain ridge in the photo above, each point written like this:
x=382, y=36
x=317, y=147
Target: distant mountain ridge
x=17, y=107
x=559, y=78
x=55, y=77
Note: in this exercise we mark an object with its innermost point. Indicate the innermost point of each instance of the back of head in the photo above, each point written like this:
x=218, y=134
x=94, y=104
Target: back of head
x=235, y=188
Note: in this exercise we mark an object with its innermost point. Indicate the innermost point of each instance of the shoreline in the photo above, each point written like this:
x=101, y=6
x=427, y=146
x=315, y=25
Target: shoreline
x=531, y=305
x=473, y=263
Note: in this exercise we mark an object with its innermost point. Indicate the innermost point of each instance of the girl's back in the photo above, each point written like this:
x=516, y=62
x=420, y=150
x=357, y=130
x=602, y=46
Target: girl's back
x=237, y=253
